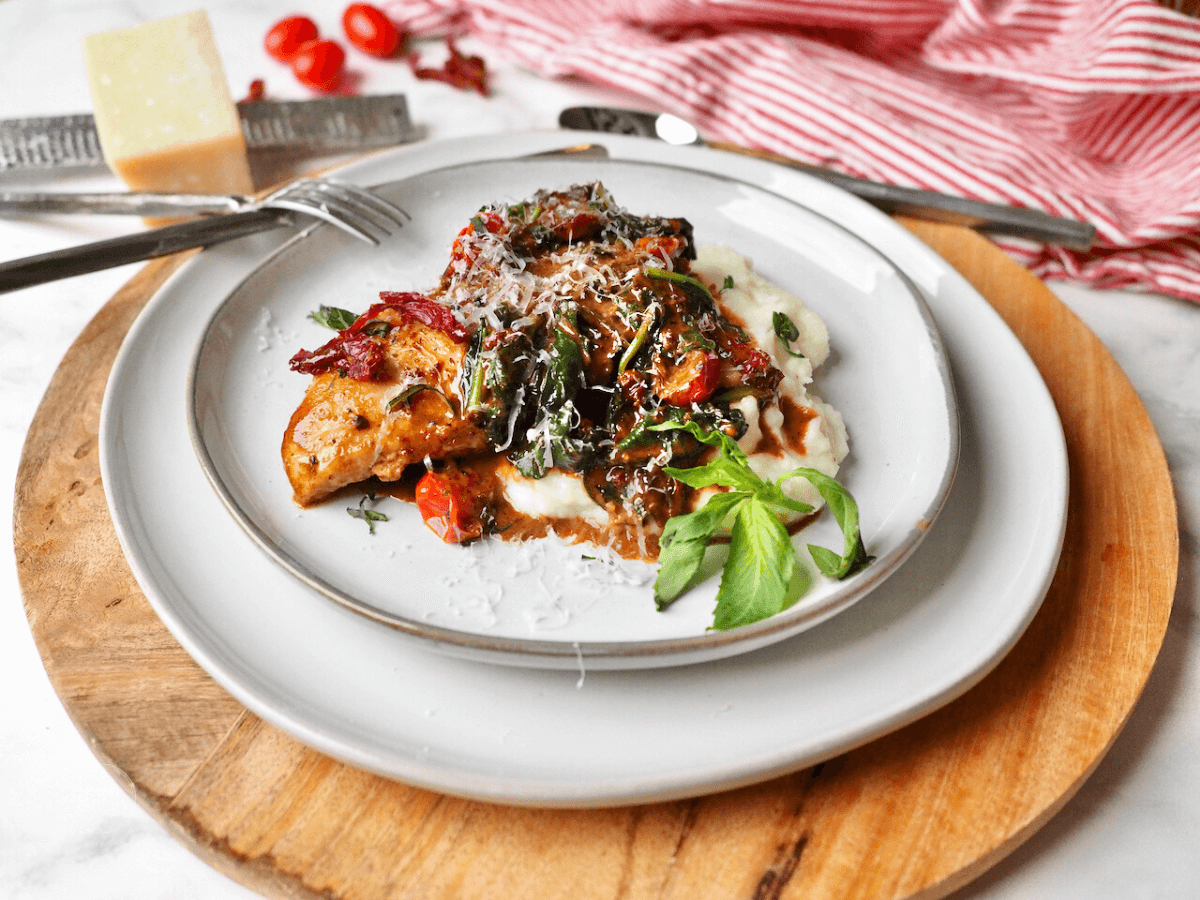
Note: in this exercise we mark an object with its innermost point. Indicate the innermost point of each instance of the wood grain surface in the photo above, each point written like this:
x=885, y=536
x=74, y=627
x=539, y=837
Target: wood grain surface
x=917, y=813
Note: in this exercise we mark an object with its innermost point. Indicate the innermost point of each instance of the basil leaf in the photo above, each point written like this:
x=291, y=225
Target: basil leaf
x=405, y=396
x=332, y=317
x=773, y=494
x=845, y=513
x=786, y=331
x=694, y=288
x=727, y=283
x=727, y=445
x=720, y=472
x=758, y=572
x=683, y=544
x=730, y=468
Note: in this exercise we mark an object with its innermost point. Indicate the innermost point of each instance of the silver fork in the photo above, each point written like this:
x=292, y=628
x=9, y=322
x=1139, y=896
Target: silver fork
x=352, y=209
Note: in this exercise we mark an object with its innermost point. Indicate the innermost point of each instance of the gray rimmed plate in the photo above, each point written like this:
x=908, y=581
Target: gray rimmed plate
x=546, y=603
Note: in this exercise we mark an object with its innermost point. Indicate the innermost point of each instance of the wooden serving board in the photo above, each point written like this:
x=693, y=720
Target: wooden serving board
x=917, y=813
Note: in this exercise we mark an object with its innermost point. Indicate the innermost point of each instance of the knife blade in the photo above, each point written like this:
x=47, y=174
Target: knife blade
x=322, y=125
x=992, y=218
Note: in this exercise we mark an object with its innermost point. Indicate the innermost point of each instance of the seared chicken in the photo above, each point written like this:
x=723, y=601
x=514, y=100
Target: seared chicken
x=348, y=429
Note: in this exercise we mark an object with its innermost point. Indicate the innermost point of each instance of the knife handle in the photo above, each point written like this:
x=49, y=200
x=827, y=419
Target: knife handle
x=143, y=245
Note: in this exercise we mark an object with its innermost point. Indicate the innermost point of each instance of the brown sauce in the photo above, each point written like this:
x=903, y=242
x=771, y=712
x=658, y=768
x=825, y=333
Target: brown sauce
x=796, y=419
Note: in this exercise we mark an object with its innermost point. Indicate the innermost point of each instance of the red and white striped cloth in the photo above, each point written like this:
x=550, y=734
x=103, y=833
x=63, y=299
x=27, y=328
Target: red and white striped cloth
x=1083, y=108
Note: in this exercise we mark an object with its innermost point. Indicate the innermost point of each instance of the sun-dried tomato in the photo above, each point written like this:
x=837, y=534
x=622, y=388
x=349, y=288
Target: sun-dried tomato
x=577, y=227
x=357, y=356
x=257, y=91
x=357, y=351
x=414, y=307
x=465, y=72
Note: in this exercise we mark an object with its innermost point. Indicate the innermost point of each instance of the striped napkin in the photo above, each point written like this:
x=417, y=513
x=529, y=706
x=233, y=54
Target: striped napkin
x=1083, y=108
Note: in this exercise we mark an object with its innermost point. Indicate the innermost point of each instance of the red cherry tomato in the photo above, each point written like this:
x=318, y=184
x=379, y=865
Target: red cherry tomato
x=318, y=65
x=370, y=30
x=445, y=506
x=462, y=249
x=666, y=246
x=287, y=36
x=694, y=380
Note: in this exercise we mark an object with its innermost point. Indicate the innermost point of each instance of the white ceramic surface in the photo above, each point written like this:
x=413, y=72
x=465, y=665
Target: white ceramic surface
x=547, y=603
x=371, y=695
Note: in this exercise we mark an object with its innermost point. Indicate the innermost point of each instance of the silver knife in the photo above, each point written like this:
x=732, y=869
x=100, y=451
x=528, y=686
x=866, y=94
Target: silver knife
x=992, y=218
x=323, y=125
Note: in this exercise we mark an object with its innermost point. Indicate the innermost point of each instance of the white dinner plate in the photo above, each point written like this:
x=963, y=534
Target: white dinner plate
x=547, y=603
x=367, y=693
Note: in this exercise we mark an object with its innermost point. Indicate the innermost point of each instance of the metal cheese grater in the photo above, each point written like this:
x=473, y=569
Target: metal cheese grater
x=325, y=125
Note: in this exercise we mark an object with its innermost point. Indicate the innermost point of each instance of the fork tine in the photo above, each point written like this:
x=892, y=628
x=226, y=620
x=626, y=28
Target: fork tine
x=336, y=205
x=352, y=203
x=349, y=224
x=352, y=209
x=389, y=211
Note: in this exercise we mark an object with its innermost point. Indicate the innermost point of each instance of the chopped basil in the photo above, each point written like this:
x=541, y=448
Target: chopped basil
x=377, y=327
x=370, y=516
x=406, y=395
x=727, y=284
x=695, y=287
x=332, y=317
x=786, y=331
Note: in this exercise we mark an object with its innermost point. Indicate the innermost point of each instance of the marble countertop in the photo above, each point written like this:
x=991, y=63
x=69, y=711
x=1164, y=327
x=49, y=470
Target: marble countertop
x=66, y=827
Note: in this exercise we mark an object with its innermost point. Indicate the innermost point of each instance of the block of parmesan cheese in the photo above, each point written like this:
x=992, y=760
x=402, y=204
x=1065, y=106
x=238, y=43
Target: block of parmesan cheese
x=163, y=109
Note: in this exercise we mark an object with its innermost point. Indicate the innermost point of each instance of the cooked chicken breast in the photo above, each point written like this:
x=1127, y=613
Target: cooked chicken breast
x=347, y=430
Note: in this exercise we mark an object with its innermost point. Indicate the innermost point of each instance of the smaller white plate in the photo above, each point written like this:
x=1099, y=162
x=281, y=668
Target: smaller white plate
x=546, y=603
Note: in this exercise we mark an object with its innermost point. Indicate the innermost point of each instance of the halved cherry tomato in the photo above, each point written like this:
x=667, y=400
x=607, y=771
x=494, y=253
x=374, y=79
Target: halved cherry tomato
x=287, y=36
x=665, y=246
x=693, y=380
x=445, y=506
x=492, y=222
x=370, y=30
x=318, y=65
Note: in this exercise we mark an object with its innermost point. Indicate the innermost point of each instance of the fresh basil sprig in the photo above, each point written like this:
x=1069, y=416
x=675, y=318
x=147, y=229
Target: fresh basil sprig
x=332, y=317
x=761, y=564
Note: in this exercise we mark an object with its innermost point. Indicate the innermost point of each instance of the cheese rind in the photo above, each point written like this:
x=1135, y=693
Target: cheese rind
x=166, y=119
